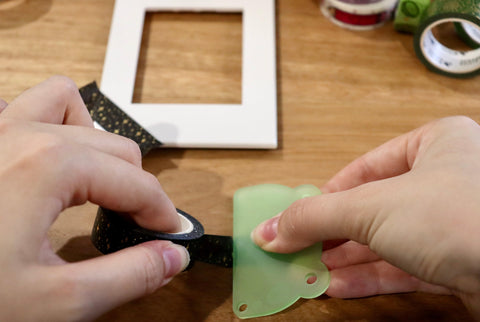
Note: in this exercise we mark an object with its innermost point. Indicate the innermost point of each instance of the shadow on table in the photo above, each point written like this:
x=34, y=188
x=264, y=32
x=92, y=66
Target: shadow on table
x=15, y=13
x=191, y=296
x=78, y=249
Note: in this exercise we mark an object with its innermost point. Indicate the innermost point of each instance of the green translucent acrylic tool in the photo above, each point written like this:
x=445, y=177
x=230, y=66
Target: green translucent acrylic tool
x=266, y=283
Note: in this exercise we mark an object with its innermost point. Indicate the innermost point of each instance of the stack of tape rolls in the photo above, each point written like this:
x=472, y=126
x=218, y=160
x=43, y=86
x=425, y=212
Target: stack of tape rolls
x=465, y=14
x=358, y=14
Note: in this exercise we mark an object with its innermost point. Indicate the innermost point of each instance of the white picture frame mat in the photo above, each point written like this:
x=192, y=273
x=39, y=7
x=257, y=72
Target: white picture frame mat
x=251, y=124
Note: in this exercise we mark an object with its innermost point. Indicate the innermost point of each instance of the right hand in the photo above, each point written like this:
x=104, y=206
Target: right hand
x=411, y=210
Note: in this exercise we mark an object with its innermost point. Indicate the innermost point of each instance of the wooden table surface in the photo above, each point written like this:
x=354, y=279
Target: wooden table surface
x=340, y=94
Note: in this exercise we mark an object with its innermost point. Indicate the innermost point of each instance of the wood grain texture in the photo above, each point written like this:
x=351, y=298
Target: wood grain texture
x=178, y=54
x=340, y=94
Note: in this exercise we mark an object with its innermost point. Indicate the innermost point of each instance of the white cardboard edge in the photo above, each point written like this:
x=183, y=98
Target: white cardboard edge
x=251, y=124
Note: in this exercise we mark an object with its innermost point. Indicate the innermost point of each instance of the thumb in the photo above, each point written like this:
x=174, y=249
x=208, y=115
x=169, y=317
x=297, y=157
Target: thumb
x=111, y=280
x=347, y=214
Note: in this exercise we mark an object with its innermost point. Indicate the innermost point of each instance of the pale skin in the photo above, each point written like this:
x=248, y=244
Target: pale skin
x=404, y=217
x=52, y=158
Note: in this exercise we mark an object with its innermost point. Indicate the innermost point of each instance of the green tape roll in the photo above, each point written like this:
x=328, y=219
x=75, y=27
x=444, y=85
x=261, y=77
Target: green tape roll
x=439, y=58
x=408, y=15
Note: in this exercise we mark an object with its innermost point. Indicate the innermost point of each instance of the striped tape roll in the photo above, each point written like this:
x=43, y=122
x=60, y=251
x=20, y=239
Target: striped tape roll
x=438, y=57
x=360, y=14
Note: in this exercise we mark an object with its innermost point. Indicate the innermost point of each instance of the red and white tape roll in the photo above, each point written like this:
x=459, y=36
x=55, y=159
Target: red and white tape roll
x=358, y=14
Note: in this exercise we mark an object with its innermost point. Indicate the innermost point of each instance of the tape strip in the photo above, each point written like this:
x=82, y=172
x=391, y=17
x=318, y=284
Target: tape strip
x=358, y=15
x=112, y=232
x=439, y=58
x=113, y=119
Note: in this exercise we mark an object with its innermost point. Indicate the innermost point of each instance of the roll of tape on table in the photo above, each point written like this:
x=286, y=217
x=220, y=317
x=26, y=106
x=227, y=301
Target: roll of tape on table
x=358, y=15
x=112, y=232
x=436, y=56
x=408, y=15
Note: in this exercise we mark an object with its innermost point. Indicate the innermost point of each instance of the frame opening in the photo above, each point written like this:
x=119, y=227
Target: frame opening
x=190, y=57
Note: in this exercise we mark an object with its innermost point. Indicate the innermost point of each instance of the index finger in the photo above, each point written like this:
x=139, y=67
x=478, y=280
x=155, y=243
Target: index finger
x=56, y=100
x=390, y=159
x=350, y=211
x=82, y=174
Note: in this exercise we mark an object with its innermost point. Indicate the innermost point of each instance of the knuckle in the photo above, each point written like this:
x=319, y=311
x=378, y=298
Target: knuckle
x=133, y=151
x=293, y=220
x=365, y=169
x=64, y=86
x=152, y=181
x=462, y=120
x=456, y=122
x=151, y=271
x=63, y=83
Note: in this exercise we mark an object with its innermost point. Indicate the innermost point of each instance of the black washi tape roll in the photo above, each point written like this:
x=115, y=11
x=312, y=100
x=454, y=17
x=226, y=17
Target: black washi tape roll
x=112, y=232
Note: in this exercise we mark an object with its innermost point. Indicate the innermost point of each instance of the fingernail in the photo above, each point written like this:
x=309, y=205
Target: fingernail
x=266, y=231
x=175, y=260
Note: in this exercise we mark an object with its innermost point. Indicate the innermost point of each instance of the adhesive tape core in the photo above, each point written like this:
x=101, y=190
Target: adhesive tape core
x=187, y=226
x=446, y=59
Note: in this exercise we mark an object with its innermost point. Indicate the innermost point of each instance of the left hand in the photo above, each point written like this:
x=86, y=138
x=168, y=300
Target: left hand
x=52, y=158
